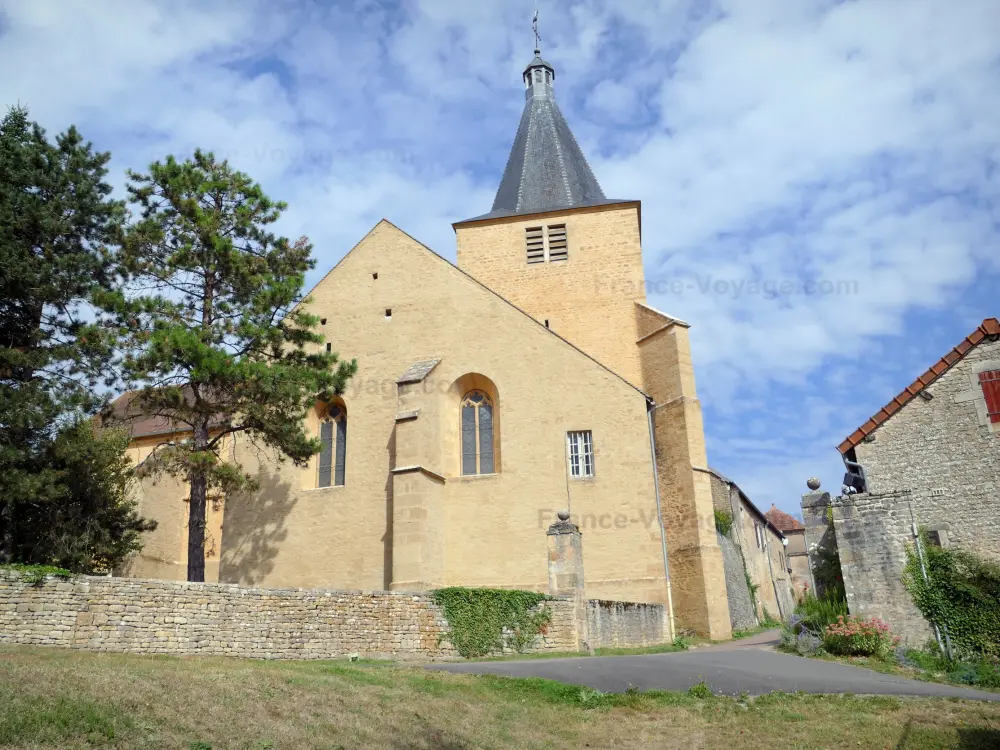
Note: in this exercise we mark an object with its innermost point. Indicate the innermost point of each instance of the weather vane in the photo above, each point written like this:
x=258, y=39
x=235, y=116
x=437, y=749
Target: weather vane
x=534, y=27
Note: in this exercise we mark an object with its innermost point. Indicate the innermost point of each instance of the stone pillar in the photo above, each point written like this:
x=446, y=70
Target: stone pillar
x=565, y=544
x=820, y=535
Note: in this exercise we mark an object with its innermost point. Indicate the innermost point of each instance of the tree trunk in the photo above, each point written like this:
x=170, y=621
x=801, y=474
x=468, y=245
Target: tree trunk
x=6, y=531
x=196, y=515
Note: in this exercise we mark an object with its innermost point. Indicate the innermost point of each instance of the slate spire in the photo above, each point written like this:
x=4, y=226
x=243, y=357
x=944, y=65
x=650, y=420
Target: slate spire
x=546, y=169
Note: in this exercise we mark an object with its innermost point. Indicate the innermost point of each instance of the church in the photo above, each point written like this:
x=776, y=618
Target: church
x=528, y=378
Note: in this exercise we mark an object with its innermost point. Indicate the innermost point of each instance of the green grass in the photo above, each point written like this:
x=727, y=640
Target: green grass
x=54, y=698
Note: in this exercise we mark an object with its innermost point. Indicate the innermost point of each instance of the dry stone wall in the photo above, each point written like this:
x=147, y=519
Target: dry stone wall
x=167, y=617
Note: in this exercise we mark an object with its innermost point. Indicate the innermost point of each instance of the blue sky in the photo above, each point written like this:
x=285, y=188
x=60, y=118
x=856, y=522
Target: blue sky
x=819, y=180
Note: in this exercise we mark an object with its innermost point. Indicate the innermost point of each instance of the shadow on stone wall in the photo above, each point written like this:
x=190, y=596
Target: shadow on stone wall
x=387, y=537
x=253, y=529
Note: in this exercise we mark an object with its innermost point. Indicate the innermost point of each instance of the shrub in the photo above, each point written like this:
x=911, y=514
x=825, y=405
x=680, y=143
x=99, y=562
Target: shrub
x=818, y=613
x=961, y=594
x=801, y=642
x=855, y=636
x=723, y=522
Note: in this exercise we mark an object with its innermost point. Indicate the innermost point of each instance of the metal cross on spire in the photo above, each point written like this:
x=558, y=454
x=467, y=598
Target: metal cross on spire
x=534, y=27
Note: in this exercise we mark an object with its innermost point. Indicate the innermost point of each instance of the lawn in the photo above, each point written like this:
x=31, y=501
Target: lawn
x=51, y=698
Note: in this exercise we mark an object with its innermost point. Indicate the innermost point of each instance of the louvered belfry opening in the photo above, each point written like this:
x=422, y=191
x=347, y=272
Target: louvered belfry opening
x=546, y=244
x=558, y=249
x=535, y=243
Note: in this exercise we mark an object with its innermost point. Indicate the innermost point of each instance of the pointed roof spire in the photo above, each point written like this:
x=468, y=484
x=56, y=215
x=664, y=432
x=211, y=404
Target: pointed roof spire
x=546, y=170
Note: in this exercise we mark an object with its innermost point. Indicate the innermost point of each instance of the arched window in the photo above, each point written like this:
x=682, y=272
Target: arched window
x=333, y=436
x=477, y=433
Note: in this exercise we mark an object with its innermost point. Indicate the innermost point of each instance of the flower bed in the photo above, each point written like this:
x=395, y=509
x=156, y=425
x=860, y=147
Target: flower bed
x=855, y=636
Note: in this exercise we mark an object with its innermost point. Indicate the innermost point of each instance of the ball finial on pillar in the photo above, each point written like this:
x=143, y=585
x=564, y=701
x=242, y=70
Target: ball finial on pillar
x=563, y=515
x=813, y=483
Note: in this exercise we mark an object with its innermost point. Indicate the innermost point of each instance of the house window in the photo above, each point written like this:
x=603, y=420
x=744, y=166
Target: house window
x=535, y=244
x=990, y=383
x=580, y=450
x=758, y=535
x=557, y=243
x=333, y=453
x=477, y=434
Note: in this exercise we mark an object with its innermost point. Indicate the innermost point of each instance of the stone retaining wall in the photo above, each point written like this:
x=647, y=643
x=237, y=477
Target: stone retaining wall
x=625, y=624
x=168, y=617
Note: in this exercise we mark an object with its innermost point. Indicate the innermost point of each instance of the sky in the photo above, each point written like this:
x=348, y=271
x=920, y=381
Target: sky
x=819, y=180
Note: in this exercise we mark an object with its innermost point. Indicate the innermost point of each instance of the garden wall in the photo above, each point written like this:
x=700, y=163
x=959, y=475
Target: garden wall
x=167, y=617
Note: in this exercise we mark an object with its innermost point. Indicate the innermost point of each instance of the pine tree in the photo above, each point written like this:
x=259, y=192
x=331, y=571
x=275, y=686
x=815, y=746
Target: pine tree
x=56, y=219
x=221, y=342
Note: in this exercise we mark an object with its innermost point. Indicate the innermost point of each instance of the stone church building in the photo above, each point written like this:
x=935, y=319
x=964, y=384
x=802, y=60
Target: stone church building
x=529, y=377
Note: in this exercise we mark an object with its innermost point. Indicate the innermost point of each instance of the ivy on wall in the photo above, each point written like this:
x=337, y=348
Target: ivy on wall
x=485, y=621
x=723, y=522
x=960, y=594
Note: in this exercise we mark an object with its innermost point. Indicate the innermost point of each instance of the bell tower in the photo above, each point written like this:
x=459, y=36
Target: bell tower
x=556, y=247
x=553, y=244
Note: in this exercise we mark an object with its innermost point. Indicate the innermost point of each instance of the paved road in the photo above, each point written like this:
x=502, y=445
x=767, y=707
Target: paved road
x=732, y=668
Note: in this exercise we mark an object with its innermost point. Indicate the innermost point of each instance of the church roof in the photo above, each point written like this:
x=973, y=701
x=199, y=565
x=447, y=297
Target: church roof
x=546, y=169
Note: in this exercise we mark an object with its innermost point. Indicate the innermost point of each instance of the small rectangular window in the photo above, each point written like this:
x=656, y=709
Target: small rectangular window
x=557, y=243
x=580, y=450
x=535, y=244
x=990, y=383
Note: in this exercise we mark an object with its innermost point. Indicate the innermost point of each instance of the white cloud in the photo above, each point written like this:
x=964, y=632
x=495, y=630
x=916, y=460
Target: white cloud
x=850, y=144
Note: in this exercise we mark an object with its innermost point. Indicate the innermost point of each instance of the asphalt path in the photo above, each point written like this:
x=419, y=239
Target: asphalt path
x=753, y=667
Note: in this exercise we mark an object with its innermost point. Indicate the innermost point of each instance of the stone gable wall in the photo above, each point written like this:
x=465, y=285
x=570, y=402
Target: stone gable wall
x=946, y=456
x=167, y=617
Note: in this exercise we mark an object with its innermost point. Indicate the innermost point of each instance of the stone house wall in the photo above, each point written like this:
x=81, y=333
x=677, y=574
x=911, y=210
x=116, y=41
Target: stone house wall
x=167, y=617
x=767, y=564
x=946, y=454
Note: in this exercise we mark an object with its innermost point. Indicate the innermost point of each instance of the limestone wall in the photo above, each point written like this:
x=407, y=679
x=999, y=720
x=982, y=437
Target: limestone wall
x=168, y=617
x=741, y=611
x=946, y=452
x=872, y=533
x=625, y=624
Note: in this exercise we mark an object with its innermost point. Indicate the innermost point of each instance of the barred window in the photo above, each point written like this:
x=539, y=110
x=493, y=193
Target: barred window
x=580, y=451
x=333, y=454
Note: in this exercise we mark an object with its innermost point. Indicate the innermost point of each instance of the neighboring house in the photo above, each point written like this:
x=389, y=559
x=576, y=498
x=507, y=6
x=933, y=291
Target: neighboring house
x=795, y=550
x=930, y=458
x=531, y=376
x=762, y=547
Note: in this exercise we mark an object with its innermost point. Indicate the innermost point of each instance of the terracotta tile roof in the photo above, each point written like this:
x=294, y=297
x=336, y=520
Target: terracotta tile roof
x=124, y=411
x=989, y=328
x=783, y=520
